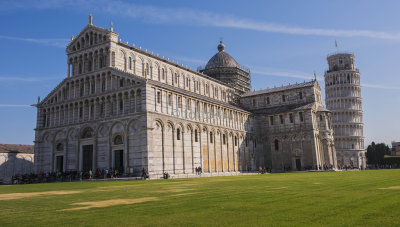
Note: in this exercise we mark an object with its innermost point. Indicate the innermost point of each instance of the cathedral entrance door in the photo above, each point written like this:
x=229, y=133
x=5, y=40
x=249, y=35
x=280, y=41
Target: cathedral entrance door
x=119, y=159
x=87, y=158
x=60, y=163
x=298, y=164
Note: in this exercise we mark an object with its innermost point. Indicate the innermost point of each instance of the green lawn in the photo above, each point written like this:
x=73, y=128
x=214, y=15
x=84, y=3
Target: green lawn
x=363, y=198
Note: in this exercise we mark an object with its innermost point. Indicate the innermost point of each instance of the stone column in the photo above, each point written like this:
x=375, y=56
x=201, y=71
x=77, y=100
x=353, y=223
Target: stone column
x=95, y=154
x=125, y=154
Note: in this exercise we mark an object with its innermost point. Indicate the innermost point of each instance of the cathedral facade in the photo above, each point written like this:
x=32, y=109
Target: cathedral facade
x=123, y=107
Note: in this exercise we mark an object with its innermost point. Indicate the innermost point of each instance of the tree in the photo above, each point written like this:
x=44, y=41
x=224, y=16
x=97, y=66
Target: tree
x=376, y=153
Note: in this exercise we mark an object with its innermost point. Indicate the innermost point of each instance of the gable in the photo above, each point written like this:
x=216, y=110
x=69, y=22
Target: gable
x=89, y=36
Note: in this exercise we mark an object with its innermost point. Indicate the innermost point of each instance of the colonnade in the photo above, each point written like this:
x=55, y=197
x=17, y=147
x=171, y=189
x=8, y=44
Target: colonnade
x=113, y=104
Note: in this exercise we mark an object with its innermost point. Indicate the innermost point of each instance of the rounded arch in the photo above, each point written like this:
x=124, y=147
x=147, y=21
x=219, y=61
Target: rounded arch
x=160, y=122
x=70, y=133
x=170, y=127
x=101, y=130
x=59, y=135
x=118, y=139
x=180, y=125
x=140, y=59
x=189, y=127
x=117, y=127
x=86, y=132
x=132, y=55
x=132, y=126
x=46, y=137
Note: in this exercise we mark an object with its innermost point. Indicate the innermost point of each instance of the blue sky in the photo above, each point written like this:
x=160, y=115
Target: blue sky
x=281, y=42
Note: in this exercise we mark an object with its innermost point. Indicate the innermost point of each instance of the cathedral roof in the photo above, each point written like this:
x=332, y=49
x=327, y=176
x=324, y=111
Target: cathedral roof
x=222, y=59
x=198, y=96
x=16, y=148
x=282, y=88
x=290, y=108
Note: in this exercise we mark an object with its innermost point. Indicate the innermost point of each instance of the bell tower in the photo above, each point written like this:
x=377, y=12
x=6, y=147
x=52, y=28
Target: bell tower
x=343, y=98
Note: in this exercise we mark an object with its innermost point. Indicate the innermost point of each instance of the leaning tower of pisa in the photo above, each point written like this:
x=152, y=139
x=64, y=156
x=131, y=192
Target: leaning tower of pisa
x=343, y=98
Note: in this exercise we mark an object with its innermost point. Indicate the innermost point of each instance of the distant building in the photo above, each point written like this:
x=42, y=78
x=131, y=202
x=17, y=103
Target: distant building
x=343, y=98
x=15, y=159
x=395, y=149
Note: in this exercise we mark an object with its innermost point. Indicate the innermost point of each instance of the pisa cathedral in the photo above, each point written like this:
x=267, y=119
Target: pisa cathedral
x=121, y=106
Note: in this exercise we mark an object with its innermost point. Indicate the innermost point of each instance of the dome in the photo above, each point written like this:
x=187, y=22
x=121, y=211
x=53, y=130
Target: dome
x=221, y=59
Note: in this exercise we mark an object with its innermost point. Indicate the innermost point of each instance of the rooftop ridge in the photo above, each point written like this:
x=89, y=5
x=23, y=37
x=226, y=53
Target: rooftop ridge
x=281, y=88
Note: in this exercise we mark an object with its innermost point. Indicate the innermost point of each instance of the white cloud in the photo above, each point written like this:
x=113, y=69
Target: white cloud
x=15, y=105
x=381, y=86
x=191, y=60
x=305, y=76
x=49, y=42
x=28, y=79
x=187, y=16
x=284, y=74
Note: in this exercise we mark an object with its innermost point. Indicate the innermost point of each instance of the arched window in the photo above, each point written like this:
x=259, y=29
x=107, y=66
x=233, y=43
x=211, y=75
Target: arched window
x=60, y=147
x=211, y=137
x=276, y=142
x=121, y=105
x=236, y=141
x=101, y=62
x=162, y=74
x=147, y=69
x=118, y=140
x=196, y=139
x=158, y=97
x=178, y=134
x=176, y=78
x=223, y=139
x=87, y=133
x=113, y=58
x=130, y=63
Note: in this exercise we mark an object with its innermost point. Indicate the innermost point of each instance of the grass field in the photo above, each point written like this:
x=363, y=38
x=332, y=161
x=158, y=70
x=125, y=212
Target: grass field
x=364, y=198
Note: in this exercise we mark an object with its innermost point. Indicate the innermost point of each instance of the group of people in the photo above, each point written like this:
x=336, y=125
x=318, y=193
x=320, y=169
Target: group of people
x=67, y=176
x=44, y=177
x=346, y=167
x=145, y=174
x=103, y=173
x=263, y=170
x=198, y=170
